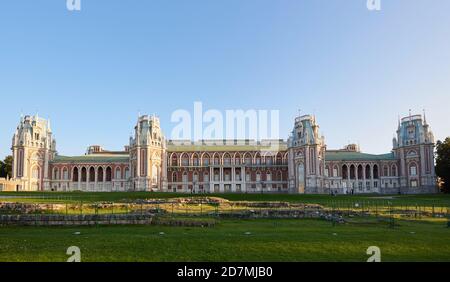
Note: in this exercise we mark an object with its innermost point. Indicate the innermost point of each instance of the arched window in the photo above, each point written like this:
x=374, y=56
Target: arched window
x=268, y=176
x=327, y=171
x=344, y=172
x=269, y=160
x=118, y=173
x=108, y=174
x=75, y=175
x=205, y=160
x=55, y=173
x=185, y=177
x=184, y=160
x=360, y=172
x=375, y=171
x=368, y=173
x=258, y=176
x=394, y=170
x=258, y=159
x=91, y=174
x=226, y=175
x=65, y=174
x=195, y=161
x=247, y=176
x=127, y=173
x=248, y=159
x=83, y=174
x=206, y=177
x=174, y=176
x=280, y=176
x=100, y=174
x=195, y=177
x=385, y=171
x=35, y=172
x=238, y=175
x=352, y=172
x=226, y=159
x=237, y=159
x=412, y=169
x=335, y=171
x=174, y=160
x=216, y=160
x=279, y=159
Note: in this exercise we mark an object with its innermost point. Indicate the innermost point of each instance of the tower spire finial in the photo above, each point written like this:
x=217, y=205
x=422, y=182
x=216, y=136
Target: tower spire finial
x=424, y=116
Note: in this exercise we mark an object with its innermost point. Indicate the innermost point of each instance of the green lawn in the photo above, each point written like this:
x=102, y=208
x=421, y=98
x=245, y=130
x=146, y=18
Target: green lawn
x=270, y=240
x=419, y=239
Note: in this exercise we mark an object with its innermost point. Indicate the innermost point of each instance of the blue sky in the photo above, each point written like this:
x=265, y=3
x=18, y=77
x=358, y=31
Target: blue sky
x=92, y=71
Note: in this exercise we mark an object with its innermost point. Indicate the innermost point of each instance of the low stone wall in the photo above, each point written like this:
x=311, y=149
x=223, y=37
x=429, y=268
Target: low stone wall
x=64, y=220
x=291, y=213
x=183, y=222
x=408, y=190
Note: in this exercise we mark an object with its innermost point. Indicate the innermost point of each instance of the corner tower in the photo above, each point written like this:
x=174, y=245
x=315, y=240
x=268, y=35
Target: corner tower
x=33, y=148
x=306, y=154
x=414, y=147
x=147, y=155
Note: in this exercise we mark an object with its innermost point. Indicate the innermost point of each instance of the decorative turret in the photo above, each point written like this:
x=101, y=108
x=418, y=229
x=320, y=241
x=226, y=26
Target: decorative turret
x=306, y=149
x=33, y=147
x=306, y=131
x=147, y=153
x=414, y=147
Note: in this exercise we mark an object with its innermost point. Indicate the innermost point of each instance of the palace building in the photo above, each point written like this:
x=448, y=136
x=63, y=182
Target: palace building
x=302, y=164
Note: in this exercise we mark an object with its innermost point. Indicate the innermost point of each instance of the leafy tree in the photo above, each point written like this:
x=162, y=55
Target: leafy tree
x=2, y=169
x=443, y=163
x=6, y=167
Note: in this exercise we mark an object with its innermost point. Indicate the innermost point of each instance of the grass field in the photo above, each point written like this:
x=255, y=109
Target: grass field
x=270, y=240
x=420, y=239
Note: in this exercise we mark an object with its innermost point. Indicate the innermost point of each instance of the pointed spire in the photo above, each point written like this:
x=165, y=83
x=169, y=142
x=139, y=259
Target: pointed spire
x=49, y=128
x=424, y=117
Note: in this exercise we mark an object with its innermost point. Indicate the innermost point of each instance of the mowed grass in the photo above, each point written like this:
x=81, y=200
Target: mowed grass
x=76, y=197
x=269, y=240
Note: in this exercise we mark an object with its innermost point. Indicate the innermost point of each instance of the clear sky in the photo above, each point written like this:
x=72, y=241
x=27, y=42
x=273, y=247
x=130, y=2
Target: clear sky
x=92, y=71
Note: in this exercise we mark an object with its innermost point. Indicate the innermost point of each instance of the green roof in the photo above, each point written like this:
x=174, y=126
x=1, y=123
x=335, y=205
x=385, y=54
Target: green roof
x=101, y=158
x=356, y=156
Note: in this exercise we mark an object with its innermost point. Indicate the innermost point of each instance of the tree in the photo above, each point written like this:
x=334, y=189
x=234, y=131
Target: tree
x=6, y=167
x=443, y=163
